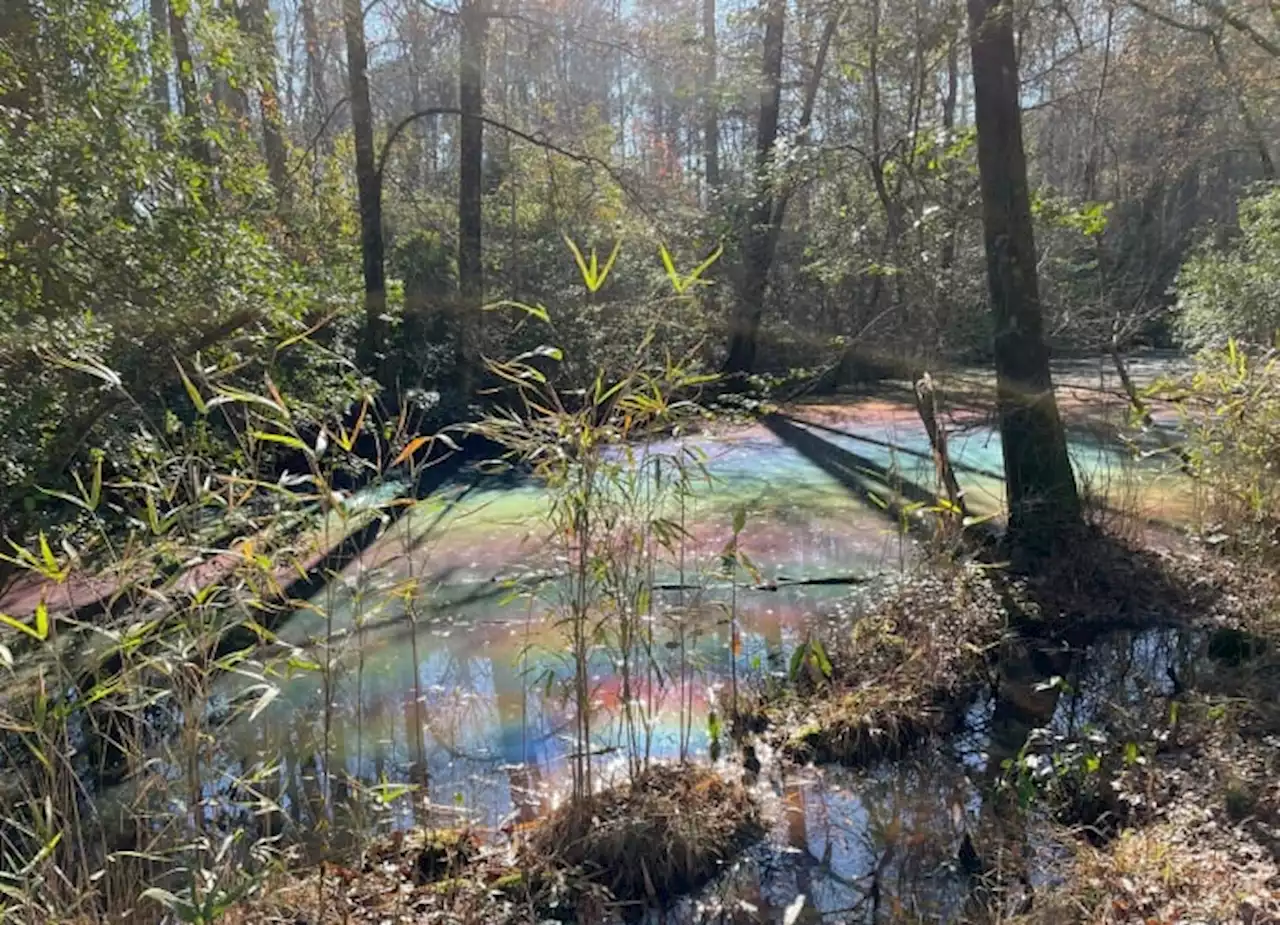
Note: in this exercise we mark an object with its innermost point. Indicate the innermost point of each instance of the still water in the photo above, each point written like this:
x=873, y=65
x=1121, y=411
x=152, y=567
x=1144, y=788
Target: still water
x=447, y=678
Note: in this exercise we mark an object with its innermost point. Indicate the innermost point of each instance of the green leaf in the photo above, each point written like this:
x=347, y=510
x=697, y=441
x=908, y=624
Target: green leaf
x=42, y=621
x=797, y=659
x=7, y=620
x=739, y=519
x=292, y=442
x=677, y=282
x=537, y=311
x=192, y=392
x=608, y=264
x=701, y=268
x=582, y=263
x=820, y=659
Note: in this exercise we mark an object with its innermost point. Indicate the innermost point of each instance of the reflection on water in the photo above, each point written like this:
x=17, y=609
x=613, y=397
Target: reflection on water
x=449, y=678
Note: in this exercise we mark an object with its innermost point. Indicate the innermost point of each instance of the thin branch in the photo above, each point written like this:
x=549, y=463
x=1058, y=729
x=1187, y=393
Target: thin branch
x=1240, y=24
x=1169, y=20
x=309, y=150
x=537, y=140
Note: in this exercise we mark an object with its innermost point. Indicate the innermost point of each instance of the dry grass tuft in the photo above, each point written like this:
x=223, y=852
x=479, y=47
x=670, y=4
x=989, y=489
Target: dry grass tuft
x=644, y=844
x=903, y=674
x=668, y=833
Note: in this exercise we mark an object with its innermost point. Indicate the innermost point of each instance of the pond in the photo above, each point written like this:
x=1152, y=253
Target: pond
x=449, y=668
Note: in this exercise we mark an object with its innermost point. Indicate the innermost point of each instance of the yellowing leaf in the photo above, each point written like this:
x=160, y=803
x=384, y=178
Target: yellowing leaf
x=412, y=447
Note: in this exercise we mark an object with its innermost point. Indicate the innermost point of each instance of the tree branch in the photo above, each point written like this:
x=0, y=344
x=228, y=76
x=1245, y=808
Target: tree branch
x=1240, y=24
x=537, y=140
x=1169, y=20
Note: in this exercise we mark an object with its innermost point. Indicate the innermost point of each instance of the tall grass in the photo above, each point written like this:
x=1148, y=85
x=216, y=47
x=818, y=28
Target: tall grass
x=153, y=763
x=129, y=784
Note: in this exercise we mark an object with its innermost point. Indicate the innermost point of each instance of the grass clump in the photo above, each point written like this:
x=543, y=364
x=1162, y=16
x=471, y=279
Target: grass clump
x=903, y=674
x=669, y=831
x=637, y=845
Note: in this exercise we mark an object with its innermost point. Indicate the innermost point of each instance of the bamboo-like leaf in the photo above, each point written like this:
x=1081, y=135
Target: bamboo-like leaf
x=677, y=282
x=270, y=693
x=608, y=264
x=797, y=659
x=17, y=624
x=706, y=265
x=820, y=659
x=192, y=392
x=587, y=276
x=537, y=311
x=412, y=447
x=292, y=442
x=42, y=621
x=95, y=491
x=46, y=553
x=42, y=855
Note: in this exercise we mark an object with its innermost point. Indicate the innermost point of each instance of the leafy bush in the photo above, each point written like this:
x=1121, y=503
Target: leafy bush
x=1235, y=292
x=1230, y=408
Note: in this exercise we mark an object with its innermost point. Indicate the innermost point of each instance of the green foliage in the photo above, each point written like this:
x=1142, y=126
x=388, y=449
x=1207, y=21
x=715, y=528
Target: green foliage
x=1234, y=291
x=1230, y=414
x=114, y=255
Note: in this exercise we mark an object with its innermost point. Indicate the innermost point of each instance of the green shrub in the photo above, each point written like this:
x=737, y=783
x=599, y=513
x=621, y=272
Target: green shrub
x=1234, y=292
x=1230, y=407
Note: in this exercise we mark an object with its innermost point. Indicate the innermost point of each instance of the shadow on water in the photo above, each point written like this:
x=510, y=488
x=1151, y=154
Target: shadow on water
x=861, y=475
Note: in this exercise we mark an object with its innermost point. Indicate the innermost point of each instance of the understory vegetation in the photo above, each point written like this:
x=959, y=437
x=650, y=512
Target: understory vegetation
x=725, y=460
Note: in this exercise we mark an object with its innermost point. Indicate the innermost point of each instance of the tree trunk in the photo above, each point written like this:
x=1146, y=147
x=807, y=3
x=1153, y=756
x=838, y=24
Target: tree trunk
x=368, y=184
x=1043, y=503
x=316, y=96
x=188, y=89
x=159, y=61
x=273, y=147
x=944, y=287
x=759, y=240
x=475, y=23
x=711, y=103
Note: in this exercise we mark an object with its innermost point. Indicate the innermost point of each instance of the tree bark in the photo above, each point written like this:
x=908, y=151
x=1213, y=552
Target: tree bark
x=188, y=89
x=273, y=146
x=316, y=96
x=475, y=25
x=369, y=186
x=711, y=103
x=1043, y=502
x=758, y=237
x=159, y=58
